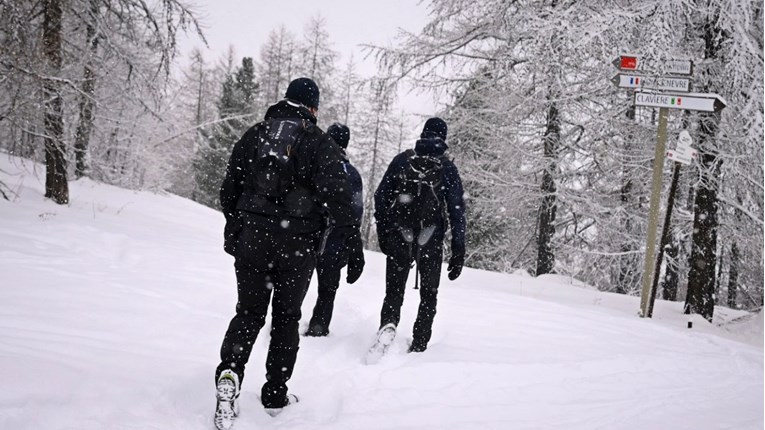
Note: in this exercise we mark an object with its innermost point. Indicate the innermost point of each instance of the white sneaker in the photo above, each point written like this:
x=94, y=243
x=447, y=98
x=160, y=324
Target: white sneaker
x=291, y=400
x=386, y=334
x=227, y=393
x=384, y=340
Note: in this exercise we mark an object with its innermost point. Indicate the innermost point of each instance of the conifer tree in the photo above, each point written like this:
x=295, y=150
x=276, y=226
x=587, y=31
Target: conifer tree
x=236, y=110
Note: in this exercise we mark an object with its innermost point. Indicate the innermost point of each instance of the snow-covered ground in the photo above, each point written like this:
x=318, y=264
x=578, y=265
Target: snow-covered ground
x=112, y=310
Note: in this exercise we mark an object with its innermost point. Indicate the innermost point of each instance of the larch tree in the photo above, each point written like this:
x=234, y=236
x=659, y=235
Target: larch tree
x=56, y=185
x=120, y=44
x=277, y=64
x=316, y=60
x=731, y=65
x=373, y=131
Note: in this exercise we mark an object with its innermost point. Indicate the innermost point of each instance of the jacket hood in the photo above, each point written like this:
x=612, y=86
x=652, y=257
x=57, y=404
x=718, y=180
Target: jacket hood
x=286, y=109
x=433, y=146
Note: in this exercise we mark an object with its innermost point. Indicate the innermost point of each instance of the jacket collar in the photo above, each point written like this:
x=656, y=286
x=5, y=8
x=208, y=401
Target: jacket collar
x=432, y=146
x=286, y=109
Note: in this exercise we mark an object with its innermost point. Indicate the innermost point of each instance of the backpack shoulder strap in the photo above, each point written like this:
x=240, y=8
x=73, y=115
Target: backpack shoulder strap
x=410, y=153
x=252, y=145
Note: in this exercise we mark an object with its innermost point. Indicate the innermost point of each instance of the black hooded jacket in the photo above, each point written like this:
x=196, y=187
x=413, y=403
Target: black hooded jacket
x=323, y=183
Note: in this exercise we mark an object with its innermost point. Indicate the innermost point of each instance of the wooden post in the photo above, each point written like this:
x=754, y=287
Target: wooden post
x=664, y=236
x=653, y=211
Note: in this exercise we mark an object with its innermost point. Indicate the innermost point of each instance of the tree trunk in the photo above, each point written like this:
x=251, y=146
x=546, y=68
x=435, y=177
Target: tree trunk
x=56, y=186
x=348, y=84
x=198, y=117
x=628, y=263
x=718, y=277
x=671, y=276
x=371, y=187
x=87, y=91
x=733, y=276
x=545, y=254
x=701, y=278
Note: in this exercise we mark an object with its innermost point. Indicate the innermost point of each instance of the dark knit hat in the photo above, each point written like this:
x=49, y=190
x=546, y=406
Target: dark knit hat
x=304, y=91
x=434, y=127
x=340, y=134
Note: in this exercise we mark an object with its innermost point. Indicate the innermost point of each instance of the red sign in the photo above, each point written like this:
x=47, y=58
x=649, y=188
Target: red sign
x=628, y=63
x=669, y=65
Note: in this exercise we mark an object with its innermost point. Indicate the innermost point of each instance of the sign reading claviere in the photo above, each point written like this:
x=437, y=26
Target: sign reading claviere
x=691, y=101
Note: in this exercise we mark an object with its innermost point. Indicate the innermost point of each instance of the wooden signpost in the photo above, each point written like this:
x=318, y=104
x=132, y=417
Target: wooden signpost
x=649, y=92
x=683, y=152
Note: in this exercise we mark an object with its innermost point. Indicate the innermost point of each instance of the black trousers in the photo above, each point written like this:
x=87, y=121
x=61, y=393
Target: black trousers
x=328, y=269
x=269, y=263
x=396, y=273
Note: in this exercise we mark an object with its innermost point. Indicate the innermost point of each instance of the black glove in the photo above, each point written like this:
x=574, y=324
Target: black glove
x=455, y=264
x=352, y=239
x=384, y=242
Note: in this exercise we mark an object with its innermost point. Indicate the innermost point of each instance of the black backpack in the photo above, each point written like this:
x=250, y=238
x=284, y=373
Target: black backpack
x=419, y=196
x=274, y=158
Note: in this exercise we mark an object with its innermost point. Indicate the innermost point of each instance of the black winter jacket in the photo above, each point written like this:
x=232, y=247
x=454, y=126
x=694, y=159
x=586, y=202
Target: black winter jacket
x=451, y=189
x=324, y=185
x=336, y=240
x=357, y=190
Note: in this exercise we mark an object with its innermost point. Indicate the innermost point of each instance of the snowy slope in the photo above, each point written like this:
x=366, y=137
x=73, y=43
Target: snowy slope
x=112, y=310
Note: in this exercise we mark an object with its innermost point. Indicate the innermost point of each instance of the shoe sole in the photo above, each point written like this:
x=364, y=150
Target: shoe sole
x=225, y=393
x=225, y=415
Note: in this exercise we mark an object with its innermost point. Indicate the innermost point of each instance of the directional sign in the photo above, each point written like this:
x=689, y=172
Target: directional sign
x=634, y=62
x=626, y=62
x=683, y=152
x=624, y=80
x=691, y=101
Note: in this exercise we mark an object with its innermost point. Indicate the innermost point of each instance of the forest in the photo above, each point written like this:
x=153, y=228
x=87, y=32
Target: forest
x=555, y=159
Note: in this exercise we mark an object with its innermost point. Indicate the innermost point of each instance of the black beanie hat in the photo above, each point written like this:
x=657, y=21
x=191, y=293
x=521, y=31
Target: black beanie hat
x=340, y=134
x=305, y=91
x=434, y=127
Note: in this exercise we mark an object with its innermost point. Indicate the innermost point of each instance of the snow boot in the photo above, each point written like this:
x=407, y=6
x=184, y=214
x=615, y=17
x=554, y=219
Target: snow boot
x=417, y=347
x=291, y=400
x=227, y=408
x=316, y=330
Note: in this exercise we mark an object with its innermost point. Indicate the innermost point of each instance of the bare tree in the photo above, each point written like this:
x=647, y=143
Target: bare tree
x=276, y=64
x=56, y=186
x=87, y=91
x=119, y=36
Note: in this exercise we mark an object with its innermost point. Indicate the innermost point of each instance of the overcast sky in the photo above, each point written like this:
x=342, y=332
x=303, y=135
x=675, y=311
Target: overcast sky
x=245, y=26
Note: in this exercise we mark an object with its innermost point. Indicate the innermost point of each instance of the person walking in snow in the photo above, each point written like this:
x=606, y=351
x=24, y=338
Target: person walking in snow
x=419, y=194
x=283, y=174
x=335, y=254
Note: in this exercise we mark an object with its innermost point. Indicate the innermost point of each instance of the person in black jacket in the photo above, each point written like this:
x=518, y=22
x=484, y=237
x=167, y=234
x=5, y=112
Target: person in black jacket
x=421, y=240
x=335, y=254
x=284, y=174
